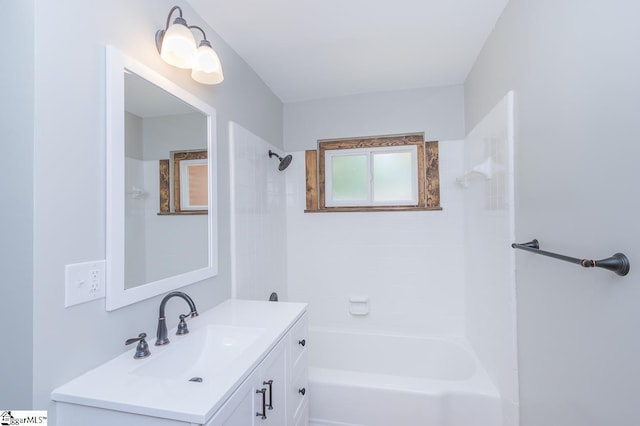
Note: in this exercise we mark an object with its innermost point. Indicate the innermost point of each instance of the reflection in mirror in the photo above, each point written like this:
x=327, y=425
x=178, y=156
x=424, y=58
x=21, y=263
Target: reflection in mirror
x=151, y=251
x=156, y=125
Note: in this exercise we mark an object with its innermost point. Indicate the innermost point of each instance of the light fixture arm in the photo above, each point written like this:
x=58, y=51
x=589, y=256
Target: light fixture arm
x=173, y=9
x=160, y=33
x=204, y=36
x=204, y=41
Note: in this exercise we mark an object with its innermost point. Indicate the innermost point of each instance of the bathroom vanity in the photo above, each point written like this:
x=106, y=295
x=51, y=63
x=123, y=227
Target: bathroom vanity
x=243, y=363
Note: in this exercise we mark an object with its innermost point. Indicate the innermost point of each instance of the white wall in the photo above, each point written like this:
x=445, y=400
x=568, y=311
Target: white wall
x=434, y=110
x=575, y=69
x=68, y=175
x=168, y=236
x=258, y=228
x=135, y=235
x=405, y=262
x=489, y=261
x=409, y=264
x=134, y=208
x=16, y=207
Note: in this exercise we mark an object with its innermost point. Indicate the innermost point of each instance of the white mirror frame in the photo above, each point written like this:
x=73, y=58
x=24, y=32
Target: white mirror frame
x=116, y=294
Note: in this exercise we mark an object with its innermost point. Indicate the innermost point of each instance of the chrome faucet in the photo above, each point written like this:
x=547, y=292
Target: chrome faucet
x=161, y=335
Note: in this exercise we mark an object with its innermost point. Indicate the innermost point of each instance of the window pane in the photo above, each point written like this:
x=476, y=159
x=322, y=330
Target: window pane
x=198, y=185
x=349, y=178
x=392, y=176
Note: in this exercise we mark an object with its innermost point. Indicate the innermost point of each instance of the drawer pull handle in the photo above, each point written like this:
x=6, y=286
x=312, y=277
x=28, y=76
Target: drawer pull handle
x=302, y=391
x=270, y=384
x=302, y=342
x=263, y=415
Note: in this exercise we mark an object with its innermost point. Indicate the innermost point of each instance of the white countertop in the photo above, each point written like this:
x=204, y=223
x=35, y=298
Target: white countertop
x=113, y=386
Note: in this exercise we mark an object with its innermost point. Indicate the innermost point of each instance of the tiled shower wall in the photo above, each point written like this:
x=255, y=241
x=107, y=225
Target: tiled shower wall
x=258, y=231
x=408, y=264
x=489, y=258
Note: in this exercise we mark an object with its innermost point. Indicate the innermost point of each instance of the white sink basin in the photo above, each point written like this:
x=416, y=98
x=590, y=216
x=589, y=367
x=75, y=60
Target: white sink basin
x=199, y=354
x=225, y=344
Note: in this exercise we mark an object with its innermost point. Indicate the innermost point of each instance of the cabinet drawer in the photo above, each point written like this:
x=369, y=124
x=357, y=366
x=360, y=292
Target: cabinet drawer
x=298, y=340
x=299, y=368
x=302, y=415
x=298, y=393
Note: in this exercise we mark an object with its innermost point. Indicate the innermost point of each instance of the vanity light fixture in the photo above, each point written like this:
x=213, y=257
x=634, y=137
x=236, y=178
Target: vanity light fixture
x=207, y=68
x=177, y=46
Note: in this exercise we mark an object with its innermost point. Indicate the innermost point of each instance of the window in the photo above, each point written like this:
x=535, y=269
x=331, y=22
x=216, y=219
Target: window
x=184, y=183
x=398, y=172
x=379, y=176
x=193, y=185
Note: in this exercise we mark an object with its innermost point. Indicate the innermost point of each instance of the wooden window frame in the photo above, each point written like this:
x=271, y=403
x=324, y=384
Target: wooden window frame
x=428, y=172
x=166, y=195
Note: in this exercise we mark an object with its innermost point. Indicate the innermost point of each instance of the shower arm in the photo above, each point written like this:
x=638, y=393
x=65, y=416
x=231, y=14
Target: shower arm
x=618, y=263
x=284, y=161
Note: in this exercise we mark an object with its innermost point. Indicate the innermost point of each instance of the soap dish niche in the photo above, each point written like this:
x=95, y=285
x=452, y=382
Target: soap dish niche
x=359, y=306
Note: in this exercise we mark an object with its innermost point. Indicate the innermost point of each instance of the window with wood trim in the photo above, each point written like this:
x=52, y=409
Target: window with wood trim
x=377, y=173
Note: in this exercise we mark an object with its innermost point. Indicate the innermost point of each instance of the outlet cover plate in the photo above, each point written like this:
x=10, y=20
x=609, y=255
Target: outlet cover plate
x=84, y=282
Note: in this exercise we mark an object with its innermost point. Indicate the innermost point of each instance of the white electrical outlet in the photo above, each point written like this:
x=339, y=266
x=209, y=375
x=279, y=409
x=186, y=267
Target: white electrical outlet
x=83, y=282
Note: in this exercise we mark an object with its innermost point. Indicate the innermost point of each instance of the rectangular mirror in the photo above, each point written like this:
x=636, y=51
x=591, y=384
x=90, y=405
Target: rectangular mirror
x=152, y=250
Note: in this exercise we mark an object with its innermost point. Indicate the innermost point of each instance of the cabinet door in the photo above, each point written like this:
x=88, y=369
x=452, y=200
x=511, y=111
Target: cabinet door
x=273, y=380
x=240, y=408
x=298, y=341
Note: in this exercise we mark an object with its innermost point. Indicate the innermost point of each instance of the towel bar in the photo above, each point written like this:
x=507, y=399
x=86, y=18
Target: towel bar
x=618, y=263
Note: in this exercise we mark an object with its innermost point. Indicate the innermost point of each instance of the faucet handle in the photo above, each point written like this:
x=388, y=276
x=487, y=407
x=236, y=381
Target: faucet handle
x=142, y=350
x=182, y=325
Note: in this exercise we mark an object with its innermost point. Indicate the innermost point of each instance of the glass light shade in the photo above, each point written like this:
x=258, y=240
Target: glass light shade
x=178, y=46
x=207, y=68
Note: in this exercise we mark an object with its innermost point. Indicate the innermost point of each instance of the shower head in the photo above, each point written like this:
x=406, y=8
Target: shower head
x=284, y=162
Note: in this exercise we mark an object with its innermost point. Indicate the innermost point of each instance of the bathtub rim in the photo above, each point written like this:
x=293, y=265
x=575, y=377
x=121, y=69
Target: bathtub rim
x=478, y=383
x=450, y=338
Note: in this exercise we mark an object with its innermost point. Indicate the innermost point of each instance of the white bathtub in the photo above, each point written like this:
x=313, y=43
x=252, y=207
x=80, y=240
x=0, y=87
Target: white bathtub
x=366, y=379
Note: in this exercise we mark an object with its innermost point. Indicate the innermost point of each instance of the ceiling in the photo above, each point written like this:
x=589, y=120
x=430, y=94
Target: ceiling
x=310, y=49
